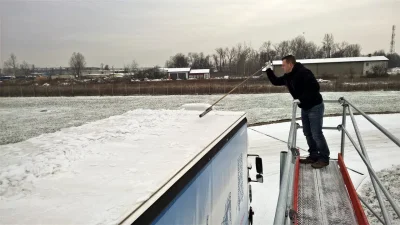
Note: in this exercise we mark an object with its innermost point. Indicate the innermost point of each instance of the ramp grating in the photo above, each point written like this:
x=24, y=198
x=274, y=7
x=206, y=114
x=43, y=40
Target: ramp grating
x=323, y=197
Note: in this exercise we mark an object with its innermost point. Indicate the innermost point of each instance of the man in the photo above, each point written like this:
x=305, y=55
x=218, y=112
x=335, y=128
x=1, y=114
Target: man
x=251, y=213
x=303, y=86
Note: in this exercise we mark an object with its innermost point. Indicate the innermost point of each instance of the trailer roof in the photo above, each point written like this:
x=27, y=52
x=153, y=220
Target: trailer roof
x=98, y=172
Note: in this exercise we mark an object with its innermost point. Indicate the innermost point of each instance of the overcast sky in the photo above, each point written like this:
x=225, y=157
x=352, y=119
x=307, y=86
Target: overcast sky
x=46, y=33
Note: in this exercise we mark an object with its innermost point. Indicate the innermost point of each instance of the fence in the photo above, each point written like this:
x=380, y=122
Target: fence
x=200, y=87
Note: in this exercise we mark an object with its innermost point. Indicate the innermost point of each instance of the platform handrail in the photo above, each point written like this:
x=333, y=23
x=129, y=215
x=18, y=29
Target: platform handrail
x=284, y=207
x=377, y=184
x=285, y=199
x=373, y=122
x=374, y=184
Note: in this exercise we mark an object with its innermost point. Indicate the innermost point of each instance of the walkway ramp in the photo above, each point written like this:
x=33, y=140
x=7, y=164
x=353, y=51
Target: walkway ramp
x=322, y=196
x=327, y=196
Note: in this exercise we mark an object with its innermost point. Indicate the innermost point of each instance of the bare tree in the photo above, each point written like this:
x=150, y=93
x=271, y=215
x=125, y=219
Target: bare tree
x=102, y=66
x=11, y=65
x=200, y=61
x=282, y=49
x=340, y=50
x=379, y=53
x=221, y=54
x=77, y=63
x=353, y=50
x=312, y=50
x=253, y=61
x=25, y=69
x=328, y=45
x=346, y=50
x=126, y=68
x=266, y=52
x=242, y=53
x=231, y=56
x=297, y=47
x=216, y=61
x=134, y=67
x=394, y=60
x=179, y=61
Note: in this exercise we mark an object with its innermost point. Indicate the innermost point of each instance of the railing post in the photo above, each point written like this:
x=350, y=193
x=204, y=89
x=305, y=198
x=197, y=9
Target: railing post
x=283, y=157
x=342, y=143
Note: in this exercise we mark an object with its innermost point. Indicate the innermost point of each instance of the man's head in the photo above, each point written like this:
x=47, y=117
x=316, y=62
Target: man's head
x=288, y=63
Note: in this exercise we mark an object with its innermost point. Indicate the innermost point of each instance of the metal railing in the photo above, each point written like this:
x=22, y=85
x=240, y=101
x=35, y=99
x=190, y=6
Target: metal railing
x=286, y=193
x=285, y=199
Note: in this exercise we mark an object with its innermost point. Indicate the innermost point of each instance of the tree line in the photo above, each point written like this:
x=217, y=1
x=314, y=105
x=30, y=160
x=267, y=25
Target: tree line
x=240, y=59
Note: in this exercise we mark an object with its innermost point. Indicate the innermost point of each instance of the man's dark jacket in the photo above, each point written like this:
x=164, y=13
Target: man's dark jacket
x=301, y=83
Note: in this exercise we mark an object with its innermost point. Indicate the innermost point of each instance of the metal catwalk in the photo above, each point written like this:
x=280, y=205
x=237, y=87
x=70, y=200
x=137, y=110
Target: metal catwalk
x=322, y=196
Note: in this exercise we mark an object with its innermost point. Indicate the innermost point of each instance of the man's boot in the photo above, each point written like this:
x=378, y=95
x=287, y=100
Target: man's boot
x=308, y=160
x=320, y=164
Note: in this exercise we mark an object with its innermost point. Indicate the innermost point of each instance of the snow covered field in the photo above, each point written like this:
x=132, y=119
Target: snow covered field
x=23, y=118
x=42, y=138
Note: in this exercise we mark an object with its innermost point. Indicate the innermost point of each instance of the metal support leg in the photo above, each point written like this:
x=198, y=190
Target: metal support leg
x=283, y=156
x=343, y=125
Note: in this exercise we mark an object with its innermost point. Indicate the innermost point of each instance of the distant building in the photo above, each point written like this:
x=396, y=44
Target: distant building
x=199, y=74
x=178, y=73
x=187, y=73
x=357, y=66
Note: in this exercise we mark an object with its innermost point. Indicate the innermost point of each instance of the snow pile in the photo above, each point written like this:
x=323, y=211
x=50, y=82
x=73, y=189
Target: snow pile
x=196, y=106
x=391, y=180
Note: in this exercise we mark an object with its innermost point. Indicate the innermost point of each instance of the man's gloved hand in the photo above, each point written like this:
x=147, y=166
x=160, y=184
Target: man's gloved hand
x=268, y=65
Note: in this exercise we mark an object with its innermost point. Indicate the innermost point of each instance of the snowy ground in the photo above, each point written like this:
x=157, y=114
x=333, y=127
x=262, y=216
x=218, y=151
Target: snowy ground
x=269, y=140
x=24, y=118
x=74, y=122
x=391, y=179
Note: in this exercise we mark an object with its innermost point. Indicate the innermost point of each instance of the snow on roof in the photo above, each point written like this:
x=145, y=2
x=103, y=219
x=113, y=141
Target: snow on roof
x=194, y=71
x=336, y=60
x=177, y=70
x=99, y=171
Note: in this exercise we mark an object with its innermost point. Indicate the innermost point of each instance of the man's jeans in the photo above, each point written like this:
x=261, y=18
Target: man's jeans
x=312, y=128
